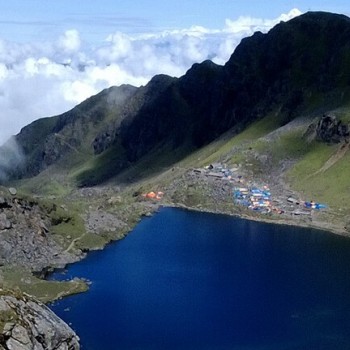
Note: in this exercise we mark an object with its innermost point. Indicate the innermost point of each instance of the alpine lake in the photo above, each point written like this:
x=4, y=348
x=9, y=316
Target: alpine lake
x=192, y=280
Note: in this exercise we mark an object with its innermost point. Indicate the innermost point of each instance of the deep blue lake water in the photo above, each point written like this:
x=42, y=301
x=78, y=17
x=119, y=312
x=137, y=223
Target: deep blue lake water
x=189, y=280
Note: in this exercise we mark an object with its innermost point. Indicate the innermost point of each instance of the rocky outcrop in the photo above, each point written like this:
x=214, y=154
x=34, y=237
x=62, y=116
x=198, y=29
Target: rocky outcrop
x=26, y=324
x=103, y=140
x=25, y=239
x=330, y=129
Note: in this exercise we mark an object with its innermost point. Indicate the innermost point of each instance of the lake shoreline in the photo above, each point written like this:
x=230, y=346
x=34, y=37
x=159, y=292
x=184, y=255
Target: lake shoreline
x=319, y=225
x=277, y=220
x=176, y=256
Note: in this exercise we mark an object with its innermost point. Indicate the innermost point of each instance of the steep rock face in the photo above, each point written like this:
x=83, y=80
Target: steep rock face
x=48, y=140
x=138, y=129
x=311, y=50
x=330, y=129
x=26, y=324
x=306, y=56
x=180, y=115
x=25, y=239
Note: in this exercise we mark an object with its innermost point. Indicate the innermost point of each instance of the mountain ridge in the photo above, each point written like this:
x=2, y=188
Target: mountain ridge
x=283, y=67
x=126, y=133
x=276, y=114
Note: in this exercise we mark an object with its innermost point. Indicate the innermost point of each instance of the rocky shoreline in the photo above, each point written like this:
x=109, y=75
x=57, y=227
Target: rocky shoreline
x=319, y=225
x=26, y=247
x=26, y=324
x=214, y=194
x=25, y=237
x=27, y=241
x=111, y=212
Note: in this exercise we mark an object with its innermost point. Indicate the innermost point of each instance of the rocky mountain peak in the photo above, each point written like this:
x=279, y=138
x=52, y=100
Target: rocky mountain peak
x=306, y=56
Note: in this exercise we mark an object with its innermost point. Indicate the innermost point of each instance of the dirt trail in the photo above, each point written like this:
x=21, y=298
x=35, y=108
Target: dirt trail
x=341, y=151
x=73, y=243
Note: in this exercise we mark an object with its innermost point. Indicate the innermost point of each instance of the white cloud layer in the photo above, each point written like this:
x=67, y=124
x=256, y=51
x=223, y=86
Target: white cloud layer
x=44, y=79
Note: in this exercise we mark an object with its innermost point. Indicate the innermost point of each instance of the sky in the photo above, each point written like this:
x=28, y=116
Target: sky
x=56, y=53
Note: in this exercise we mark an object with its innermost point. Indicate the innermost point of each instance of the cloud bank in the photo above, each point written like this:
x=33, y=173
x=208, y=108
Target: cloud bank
x=48, y=78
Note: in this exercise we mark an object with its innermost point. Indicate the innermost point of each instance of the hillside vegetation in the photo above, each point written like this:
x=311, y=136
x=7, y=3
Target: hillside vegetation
x=277, y=113
x=253, y=110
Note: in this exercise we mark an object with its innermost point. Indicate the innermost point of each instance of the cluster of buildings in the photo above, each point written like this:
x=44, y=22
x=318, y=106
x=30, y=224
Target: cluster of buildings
x=257, y=198
x=254, y=198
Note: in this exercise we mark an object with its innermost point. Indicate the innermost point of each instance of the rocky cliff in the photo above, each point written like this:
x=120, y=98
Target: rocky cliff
x=298, y=61
x=26, y=324
x=25, y=238
x=330, y=129
x=304, y=58
x=48, y=140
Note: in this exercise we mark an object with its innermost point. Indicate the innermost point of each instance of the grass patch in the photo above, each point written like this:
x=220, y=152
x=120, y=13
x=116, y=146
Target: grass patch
x=330, y=186
x=289, y=145
x=152, y=164
x=44, y=185
x=101, y=167
x=191, y=197
x=317, y=155
x=45, y=291
x=67, y=229
x=66, y=220
x=222, y=148
x=91, y=241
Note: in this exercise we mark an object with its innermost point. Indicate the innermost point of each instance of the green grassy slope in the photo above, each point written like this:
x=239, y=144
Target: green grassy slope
x=264, y=150
x=315, y=169
x=312, y=176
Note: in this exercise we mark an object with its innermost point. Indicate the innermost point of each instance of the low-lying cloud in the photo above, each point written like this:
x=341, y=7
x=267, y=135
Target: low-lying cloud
x=48, y=78
x=11, y=156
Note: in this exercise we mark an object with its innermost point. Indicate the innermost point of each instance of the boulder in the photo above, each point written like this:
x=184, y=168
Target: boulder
x=26, y=324
x=330, y=129
x=5, y=223
x=13, y=191
x=114, y=200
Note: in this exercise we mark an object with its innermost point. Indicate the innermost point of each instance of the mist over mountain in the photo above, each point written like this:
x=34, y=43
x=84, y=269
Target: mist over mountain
x=303, y=60
x=69, y=68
